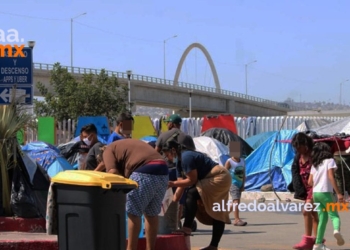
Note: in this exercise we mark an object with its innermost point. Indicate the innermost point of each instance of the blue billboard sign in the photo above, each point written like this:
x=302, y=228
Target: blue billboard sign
x=17, y=70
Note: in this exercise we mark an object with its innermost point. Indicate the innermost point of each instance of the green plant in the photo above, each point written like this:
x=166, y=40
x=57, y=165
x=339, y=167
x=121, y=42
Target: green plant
x=13, y=118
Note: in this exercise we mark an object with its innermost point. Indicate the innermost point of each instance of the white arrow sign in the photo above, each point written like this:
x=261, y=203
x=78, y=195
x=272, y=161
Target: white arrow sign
x=20, y=96
x=4, y=95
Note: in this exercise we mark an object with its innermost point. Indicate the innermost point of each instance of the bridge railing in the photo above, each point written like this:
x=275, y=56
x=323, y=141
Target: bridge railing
x=189, y=86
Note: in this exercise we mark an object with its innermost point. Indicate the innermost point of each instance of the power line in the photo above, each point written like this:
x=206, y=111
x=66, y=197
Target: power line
x=34, y=17
x=91, y=27
x=116, y=34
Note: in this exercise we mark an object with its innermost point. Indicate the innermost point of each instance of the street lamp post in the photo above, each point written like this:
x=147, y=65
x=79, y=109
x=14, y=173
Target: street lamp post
x=190, y=103
x=31, y=45
x=129, y=73
x=71, y=39
x=164, y=43
x=341, y=86
x=246, y=76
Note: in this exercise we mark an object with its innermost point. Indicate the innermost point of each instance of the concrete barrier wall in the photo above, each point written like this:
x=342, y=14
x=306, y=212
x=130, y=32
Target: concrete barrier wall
x=192, y=126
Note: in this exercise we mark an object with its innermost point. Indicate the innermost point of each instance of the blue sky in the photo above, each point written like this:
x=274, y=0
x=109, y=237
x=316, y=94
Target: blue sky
x=302, y=48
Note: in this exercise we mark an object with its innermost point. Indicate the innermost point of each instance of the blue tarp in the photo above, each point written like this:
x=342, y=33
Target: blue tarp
x=39, y=145
x=151, y=140
x=47, y=157
x=258, y=163
x=256, y=140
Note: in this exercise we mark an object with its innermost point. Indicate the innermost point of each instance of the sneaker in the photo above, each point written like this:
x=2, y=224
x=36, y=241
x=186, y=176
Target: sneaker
x=339, y=237
x=320, y=247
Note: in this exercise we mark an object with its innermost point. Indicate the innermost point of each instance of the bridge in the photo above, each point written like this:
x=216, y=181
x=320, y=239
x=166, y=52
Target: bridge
x=172, y=94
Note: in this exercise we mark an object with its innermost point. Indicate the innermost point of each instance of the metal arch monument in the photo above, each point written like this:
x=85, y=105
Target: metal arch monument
x=207, y=56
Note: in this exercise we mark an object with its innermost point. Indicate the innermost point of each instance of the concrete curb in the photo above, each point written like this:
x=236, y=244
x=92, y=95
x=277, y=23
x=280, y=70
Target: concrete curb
x=22, y=225
x=169, y=242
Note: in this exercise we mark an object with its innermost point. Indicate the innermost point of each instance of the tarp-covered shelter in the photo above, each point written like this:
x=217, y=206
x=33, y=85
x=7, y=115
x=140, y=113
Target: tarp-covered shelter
x=273, y=158
x=50, y=159
x=225, y=136
x=30, y=185
x=216, y=150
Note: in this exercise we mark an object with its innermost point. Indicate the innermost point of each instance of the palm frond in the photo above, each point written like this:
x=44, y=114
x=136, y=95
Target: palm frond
x=13, y=118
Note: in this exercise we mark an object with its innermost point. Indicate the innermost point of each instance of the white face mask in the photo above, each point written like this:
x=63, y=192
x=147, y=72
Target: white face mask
x=87, y=141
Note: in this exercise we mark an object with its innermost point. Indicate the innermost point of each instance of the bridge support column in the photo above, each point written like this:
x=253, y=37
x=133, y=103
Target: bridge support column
x=133, y=108
x=230, y=106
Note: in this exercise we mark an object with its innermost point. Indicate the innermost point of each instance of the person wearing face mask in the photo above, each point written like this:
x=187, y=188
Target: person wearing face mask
x=118, y=133
x=208, y=183
x=174, y=124
x=90, y=138
x=80, y=147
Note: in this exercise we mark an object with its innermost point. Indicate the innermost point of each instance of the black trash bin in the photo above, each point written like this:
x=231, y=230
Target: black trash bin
x=91, y=210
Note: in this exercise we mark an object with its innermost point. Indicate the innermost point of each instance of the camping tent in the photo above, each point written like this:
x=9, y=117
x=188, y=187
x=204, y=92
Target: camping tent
x=312, y=124
x=50, y=159
x=225, y=136
x=216, y=150
x=272, y=158
x=341, y=126
x=30, y=185
x=256, y=140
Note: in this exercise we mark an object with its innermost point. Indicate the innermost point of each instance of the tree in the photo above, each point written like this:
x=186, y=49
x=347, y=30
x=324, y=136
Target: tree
x=93, y=95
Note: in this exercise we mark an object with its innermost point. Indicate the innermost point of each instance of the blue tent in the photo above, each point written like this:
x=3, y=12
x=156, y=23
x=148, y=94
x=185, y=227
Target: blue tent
x=151, y=140
x=256, y=140
x=39, y=145
x=258, y=163
x=49, y=158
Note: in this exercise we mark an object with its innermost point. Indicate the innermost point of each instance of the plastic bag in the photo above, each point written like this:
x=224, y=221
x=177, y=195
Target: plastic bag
x=167, y=200
x=22, y=201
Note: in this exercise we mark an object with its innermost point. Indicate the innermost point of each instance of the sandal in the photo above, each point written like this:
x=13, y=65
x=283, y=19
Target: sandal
x=181, y=232
x=240, y=223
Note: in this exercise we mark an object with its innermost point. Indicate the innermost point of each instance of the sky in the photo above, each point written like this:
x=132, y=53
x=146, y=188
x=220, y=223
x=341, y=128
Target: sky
x=301, y=48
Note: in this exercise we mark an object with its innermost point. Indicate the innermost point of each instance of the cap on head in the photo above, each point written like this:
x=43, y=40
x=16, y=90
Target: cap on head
x=186, y=141
x=176, y=119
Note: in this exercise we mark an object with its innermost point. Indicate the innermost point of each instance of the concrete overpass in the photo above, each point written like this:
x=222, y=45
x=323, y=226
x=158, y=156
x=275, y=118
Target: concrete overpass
x=157, y=92
x=321, y=113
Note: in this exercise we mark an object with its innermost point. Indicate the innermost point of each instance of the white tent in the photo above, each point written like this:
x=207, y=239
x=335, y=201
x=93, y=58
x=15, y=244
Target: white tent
x=341, y=126
x=312, y=124
x=216, y=150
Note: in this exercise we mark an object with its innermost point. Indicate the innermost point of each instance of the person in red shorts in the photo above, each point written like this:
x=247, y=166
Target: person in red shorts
x=301, y=169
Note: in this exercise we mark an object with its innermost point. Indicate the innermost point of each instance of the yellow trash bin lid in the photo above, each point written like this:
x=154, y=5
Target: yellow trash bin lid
x=92, y=178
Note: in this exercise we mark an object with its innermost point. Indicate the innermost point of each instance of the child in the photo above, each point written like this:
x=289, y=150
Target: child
x=236, y=166
x=323, y=182
x=301, y=168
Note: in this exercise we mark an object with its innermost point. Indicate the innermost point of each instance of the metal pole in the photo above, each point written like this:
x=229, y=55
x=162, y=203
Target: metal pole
x=246, y=79
x=71, y=44
x=340, y=93
x=71, y=39
x=32, y=83
x=190, y=105
x=164, y=61
x=129, y=98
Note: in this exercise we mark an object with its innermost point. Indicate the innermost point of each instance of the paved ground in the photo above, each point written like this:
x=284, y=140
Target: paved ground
x=268, y=231
x=265, y=231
